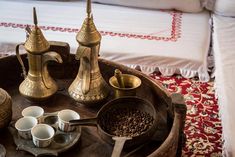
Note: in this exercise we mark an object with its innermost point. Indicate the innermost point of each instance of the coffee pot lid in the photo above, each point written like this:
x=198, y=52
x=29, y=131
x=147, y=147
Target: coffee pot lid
x=36, y=42
x=88, y=34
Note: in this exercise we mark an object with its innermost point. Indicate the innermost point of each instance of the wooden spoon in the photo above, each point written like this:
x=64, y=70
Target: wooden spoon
x=118, y=146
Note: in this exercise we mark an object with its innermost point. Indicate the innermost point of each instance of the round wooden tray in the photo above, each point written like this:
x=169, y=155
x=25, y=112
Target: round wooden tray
x=167, y=140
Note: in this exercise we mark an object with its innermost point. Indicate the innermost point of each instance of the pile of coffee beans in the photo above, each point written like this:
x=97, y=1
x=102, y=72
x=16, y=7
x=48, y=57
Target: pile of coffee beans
x=127, y=122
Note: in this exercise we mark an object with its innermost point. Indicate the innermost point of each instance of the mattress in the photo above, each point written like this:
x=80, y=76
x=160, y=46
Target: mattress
x=224, y=46
x=166, y=41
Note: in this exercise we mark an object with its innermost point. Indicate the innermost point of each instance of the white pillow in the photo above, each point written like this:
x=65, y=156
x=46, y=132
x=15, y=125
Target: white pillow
x=208, y=4
x=225, y=7
x=182, y=5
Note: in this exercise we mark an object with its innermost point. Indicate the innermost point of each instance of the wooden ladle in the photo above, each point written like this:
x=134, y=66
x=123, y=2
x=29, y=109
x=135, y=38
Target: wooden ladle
x=118, y=146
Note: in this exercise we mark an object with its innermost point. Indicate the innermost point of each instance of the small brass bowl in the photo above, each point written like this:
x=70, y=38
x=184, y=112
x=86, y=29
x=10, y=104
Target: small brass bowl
x=131, y=82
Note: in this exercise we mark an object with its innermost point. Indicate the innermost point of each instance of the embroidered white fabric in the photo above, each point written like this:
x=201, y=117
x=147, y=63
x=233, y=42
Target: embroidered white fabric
x=181, y=5
x=223, y=40
x=168, y=41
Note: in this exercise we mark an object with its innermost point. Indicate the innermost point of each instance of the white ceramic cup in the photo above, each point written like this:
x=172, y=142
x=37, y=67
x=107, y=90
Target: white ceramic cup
x=34, y=111
x=64, y=116
x=24, y=126
x=42, y=135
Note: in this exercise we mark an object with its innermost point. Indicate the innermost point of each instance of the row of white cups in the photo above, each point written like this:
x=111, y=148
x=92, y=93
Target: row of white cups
x=30, y=126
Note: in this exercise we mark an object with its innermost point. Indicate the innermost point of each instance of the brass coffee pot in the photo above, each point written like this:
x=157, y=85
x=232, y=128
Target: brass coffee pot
x=38, y=84
x=89, y=87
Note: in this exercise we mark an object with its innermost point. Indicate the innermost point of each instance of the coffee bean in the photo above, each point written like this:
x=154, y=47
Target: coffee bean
x=126, y=122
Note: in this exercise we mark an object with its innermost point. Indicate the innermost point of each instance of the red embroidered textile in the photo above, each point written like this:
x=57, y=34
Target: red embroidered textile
x=175, y=32
x=203, y=125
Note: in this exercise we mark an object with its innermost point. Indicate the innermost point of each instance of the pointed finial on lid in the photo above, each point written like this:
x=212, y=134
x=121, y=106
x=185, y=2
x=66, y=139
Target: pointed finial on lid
x=88, y=34
x=35, y=19
x=36, y=42
x=88, y=8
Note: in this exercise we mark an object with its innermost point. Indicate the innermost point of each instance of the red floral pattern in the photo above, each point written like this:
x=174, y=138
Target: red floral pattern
x=203, y=125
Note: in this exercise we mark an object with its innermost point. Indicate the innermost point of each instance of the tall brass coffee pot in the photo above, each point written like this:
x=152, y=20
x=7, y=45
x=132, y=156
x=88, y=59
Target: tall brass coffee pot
x=89, y=86
x=38, y=84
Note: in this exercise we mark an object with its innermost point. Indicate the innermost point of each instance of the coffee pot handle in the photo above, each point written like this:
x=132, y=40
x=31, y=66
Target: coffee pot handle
x=46, y=57
x=84, y=54
x=20, y=60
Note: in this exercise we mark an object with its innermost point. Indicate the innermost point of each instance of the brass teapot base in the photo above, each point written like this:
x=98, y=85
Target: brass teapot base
x=97, y=94
x=88, y=100
x=36, y=91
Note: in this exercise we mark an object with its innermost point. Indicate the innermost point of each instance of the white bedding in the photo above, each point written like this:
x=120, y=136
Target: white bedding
x=224, y=52
x=225, y=7
x=168, y=41
x=182, y=5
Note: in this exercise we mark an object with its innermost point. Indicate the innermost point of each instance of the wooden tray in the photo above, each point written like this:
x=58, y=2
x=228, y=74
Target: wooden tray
x=169, y=135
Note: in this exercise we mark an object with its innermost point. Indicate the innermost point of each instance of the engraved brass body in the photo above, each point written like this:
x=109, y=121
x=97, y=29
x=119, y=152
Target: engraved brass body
x=38, y=85
x=89, y=86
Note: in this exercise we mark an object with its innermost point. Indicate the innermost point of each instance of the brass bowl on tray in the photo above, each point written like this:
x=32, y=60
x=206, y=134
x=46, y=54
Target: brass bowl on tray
x=124, y=84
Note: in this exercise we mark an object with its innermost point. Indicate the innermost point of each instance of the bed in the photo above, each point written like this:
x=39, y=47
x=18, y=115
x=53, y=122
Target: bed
x=150, y=40
x=223, y=40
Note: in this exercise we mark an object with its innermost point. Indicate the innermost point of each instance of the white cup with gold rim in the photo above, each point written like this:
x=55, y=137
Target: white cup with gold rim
x=33, y=111
x=24, y=126
x=42, y=135
x=64, y=116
